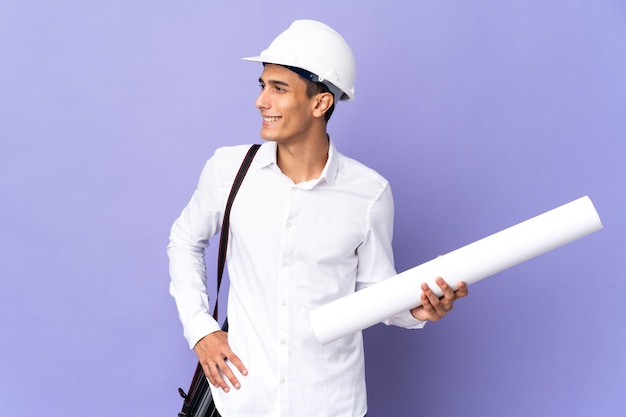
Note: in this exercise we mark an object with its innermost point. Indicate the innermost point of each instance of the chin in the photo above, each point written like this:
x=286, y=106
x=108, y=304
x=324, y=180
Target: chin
x=268, y=136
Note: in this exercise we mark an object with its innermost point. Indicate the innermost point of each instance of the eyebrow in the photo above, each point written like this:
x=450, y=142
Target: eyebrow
x=274, y=82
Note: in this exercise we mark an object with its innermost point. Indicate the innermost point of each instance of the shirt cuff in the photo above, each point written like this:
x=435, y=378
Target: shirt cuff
x=198, y=327
x=406, y=320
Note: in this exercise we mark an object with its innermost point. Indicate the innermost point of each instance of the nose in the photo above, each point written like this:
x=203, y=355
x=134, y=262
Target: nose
x=262, y=101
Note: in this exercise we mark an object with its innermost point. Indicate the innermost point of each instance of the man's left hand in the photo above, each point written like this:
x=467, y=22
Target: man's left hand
x=435, y=307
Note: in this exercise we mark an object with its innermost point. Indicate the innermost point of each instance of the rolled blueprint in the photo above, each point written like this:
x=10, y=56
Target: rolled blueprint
x=470, y=263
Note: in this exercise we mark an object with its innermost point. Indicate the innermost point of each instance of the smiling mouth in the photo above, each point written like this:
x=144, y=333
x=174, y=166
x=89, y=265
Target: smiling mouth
x=270, y=119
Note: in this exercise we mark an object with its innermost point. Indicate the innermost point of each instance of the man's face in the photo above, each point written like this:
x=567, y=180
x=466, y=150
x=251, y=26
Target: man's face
x=286, y=110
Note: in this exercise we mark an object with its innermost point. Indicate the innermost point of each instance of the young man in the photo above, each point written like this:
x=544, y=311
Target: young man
x=308, y=226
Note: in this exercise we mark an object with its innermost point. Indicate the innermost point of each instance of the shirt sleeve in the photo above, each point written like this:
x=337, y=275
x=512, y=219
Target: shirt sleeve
x=376, y=254
x=189, y=236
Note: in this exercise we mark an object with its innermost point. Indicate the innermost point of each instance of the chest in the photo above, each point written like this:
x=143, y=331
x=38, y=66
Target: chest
x=327, y=221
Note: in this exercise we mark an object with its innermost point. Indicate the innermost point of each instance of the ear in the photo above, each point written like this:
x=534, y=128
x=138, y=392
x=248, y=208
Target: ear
x=323, y=102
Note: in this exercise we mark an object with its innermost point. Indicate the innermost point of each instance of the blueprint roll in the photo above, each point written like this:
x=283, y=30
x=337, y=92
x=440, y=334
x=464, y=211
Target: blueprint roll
x=471, y=263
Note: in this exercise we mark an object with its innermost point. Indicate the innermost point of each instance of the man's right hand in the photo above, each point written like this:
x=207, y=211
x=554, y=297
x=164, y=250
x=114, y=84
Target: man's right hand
x=213, y=351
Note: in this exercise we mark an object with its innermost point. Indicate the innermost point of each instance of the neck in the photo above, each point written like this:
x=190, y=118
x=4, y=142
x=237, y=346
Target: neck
x=303, y=161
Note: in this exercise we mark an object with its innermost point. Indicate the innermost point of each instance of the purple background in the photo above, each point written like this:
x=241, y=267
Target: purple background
x=480, y=113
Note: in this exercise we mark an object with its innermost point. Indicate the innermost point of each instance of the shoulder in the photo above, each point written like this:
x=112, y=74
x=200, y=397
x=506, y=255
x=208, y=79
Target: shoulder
x=351, y=170
x=227, y=159
x=227, y=154
x=221, y=168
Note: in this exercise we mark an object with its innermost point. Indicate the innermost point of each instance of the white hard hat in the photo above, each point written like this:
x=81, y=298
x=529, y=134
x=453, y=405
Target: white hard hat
x=316, y=48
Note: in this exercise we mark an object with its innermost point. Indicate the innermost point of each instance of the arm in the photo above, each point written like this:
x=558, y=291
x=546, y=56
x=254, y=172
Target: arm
x=376, y=254
x=189, y=237
x=377, y=249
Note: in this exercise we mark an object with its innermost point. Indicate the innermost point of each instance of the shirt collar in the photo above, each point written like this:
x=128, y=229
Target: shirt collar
x=329, y=173
x=267, y=157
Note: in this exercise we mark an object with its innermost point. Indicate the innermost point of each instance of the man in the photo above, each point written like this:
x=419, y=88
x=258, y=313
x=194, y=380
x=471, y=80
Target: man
x=308, y=226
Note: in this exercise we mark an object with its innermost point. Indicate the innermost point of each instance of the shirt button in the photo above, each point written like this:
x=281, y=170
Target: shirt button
x=283, y=341
x=282, y=380
x=288, y=224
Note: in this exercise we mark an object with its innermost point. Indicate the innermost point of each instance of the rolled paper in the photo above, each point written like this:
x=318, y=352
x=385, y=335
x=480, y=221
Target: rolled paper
x=470, y=263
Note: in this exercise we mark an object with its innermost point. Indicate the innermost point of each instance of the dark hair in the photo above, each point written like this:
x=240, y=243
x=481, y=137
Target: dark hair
x=313, y=88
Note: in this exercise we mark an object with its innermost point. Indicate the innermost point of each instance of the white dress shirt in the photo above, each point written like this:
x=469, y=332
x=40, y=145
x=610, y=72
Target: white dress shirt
x=292, y=248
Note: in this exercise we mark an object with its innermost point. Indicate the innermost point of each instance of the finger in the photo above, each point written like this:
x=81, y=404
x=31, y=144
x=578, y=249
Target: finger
x=213, y=372
x=214, y=376
x=234, y=359
x=462, y=290
x=432, y=304
x=426, y=305
x=446, y=290
x=430, y=311
x=433, y=298
x=231, y=357
x=427, y=297
x=449, y=295
x=228, y=373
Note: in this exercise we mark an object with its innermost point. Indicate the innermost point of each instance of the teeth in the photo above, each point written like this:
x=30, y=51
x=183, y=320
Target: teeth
x=271, y=119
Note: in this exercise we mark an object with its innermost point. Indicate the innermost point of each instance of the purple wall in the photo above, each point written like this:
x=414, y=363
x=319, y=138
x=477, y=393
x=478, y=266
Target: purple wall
x=481, y=114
